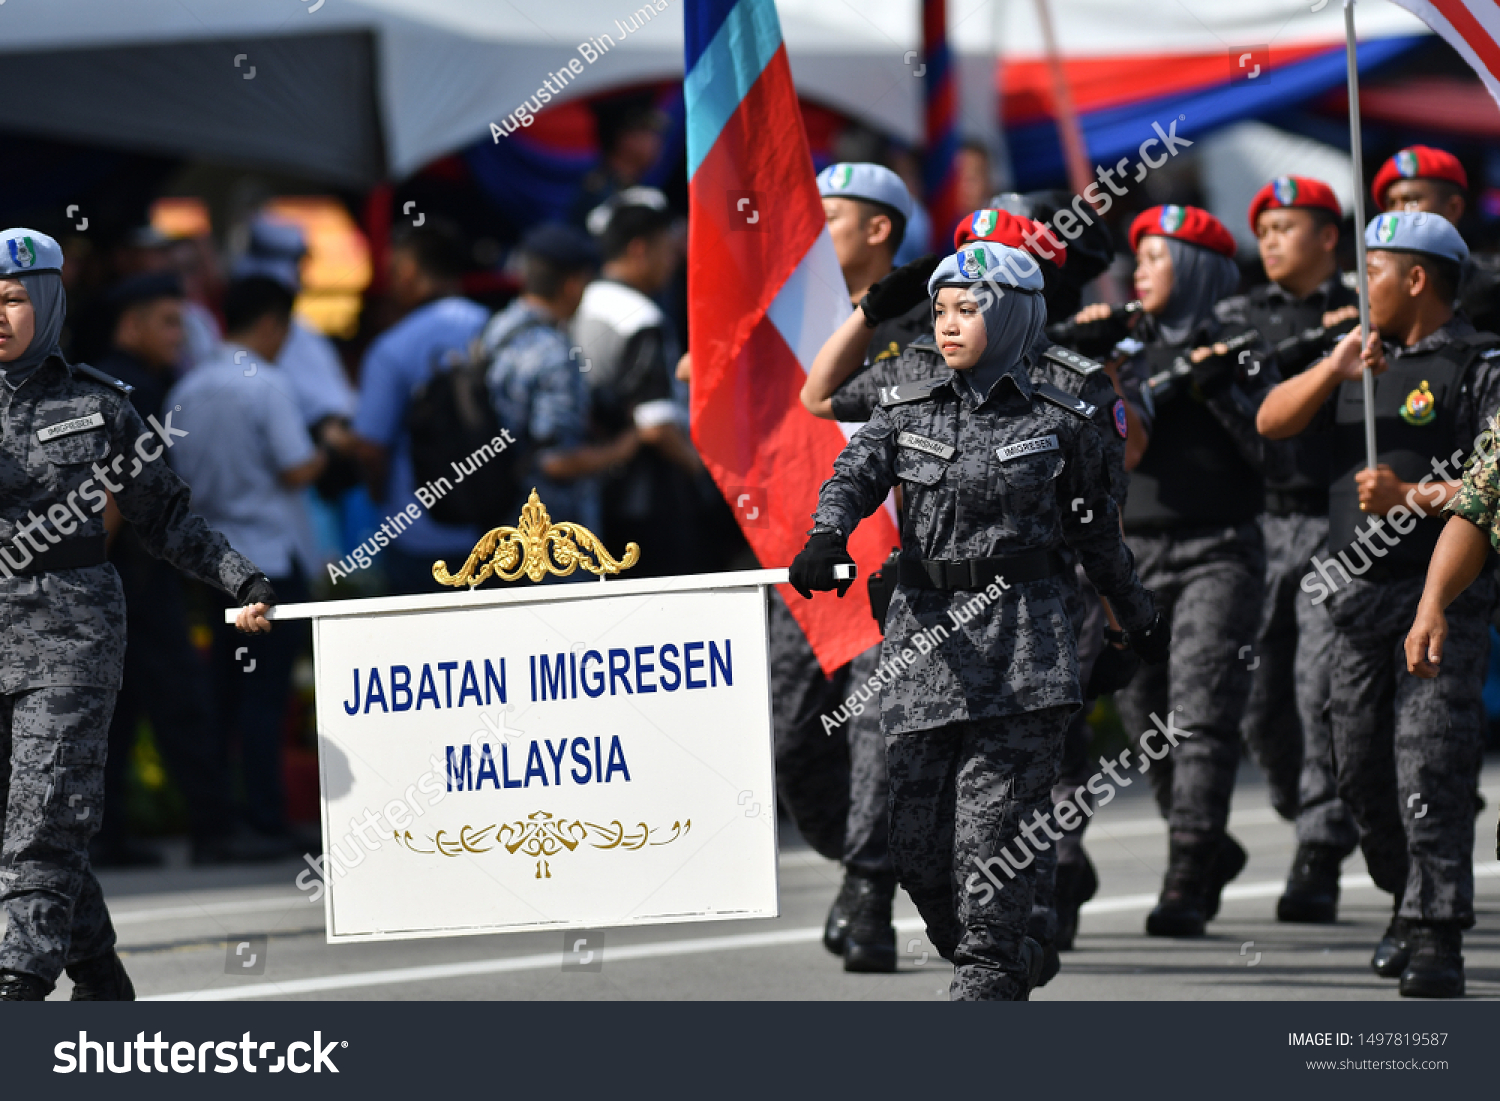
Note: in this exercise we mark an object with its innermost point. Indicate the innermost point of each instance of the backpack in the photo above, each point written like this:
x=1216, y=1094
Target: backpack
x=453, y=427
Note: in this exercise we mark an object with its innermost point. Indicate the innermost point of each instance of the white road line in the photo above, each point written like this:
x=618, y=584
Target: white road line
x=663, y=949
x=209, y=909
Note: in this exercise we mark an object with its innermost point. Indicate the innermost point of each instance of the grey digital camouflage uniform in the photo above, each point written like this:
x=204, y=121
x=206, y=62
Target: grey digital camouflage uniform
x=1199, y=548
x=1286, y=724
x=1408, y=750
x=62, y=640
x=1291, y=676
x=1084, y=378
x=1002, y=676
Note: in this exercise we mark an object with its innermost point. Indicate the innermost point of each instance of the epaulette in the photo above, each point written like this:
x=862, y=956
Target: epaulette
x=1061, y=398
x=907, y=392
x=99, y=376
x=1072, y=360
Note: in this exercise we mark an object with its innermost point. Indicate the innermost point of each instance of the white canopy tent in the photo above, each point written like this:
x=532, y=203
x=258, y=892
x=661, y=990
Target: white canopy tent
x=356, y=90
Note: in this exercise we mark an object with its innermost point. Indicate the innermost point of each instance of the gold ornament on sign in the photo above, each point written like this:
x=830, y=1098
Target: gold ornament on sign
x=535, y=548
x=540, y=836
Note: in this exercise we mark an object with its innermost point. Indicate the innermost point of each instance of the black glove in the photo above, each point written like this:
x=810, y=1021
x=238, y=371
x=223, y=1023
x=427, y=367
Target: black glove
x=256, y=590
x=1214, y=374
x=1154, y=642
x=812, y=569
x=882, y=585
x=900, y=291
x=1113, y=670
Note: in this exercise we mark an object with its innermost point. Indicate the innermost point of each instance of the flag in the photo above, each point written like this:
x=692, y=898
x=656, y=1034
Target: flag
x=939, y=179
x=1472, y=27
x=764, y=293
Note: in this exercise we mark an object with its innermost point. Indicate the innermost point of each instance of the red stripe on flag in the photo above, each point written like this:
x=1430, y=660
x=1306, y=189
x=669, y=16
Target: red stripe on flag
x=748, y=421
x=1472, y=31
x=753, y=434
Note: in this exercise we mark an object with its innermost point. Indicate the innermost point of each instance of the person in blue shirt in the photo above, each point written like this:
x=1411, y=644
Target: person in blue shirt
x=247, y=456
x=425, y=270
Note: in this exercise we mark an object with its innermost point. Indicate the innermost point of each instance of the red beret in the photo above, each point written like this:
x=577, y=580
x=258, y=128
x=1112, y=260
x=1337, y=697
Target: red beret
x=1192, y=224
x=1418, y=162
x=1303, y=191
x=1004, y=228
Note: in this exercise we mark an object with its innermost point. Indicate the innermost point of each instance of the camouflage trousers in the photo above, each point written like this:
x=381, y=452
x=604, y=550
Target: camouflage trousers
x=960, y=795
x=1286, y=719
x=1409, y=750
x=867, y=829
x=1208, y=583
x=52, y=750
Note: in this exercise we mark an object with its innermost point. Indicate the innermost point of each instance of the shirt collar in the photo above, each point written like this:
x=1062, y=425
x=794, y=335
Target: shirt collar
x=1017, y=373
x=1320, y=294
x=1456, y=328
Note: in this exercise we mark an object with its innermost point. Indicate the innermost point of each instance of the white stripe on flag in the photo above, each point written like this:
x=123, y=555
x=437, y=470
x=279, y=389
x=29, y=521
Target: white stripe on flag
x=813, y=301
x=1485, y=12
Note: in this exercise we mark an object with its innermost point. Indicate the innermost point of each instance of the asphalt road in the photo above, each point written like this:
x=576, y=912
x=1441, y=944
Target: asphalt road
x=180, y=929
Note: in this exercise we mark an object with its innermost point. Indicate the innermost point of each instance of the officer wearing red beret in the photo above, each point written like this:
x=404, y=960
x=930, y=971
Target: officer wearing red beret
x=1421, y=178
x=1191, y=522
x=1298, y=317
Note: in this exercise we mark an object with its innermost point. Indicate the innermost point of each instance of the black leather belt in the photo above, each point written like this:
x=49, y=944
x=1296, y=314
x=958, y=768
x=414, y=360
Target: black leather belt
x=1297, y=502
x=969, y=574
x=74, y=554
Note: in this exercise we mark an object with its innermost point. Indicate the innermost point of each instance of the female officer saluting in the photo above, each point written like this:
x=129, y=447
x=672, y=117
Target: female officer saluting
x=70, y=439
x=979, y=658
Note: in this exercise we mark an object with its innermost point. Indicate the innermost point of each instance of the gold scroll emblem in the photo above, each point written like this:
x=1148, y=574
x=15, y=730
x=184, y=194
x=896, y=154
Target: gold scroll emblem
x=534, y=548
x=542, y=836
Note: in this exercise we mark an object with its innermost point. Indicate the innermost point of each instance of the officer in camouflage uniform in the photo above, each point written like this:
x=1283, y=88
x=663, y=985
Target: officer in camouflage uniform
x=1055, y=916
x=1403, y=740
x=1296, y=319
x=70, y=435
x=1191, y=523
x=974, y=729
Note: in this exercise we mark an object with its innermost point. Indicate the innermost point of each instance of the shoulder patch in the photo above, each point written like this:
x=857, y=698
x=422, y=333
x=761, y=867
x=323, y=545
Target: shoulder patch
x=99, y=376
x=907, y=392
x=1072, y=360
x=1064, y=400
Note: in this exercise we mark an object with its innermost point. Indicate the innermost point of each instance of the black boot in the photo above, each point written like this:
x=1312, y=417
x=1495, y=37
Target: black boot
x=1393, y=952
x=17, y=986
x=1076, y=884
x=1228, y=861
x=1436, y=969
x=836, y=928
x=1312, y=890
x=101, y=979
x=871, y=941
x=1183, y=907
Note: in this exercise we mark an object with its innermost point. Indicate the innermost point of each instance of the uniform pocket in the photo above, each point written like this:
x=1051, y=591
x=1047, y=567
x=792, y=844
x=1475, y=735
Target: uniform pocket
x=83, y=447
x=918, y=467
x=1030, y=473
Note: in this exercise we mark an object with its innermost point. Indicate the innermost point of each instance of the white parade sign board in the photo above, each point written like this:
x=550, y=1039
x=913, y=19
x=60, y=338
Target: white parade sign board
x=558, y=756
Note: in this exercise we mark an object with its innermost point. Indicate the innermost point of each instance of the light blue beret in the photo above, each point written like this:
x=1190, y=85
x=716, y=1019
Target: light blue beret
x=987, y=262
x=873, y=183
x=1416, y=231
x=23, y=251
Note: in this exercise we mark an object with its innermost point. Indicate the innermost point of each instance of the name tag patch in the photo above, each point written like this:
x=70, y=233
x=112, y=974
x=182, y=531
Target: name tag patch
x=932, y=447
x=1027, y=447
x=67, y=428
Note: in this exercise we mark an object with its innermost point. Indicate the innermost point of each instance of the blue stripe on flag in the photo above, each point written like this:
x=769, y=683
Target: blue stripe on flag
x=741, y=49
x=701, y=21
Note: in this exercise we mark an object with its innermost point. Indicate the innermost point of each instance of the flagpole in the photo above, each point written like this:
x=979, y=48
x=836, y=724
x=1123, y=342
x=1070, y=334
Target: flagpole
x=1356, y=152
